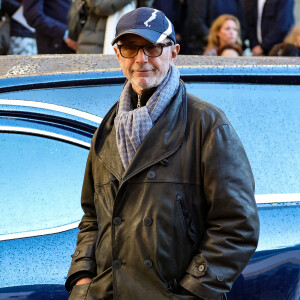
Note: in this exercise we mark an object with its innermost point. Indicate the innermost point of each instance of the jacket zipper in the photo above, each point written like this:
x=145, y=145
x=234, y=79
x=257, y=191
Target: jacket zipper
x=139, y=101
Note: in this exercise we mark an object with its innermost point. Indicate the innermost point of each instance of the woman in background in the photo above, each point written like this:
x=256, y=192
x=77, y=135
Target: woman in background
x=224, y=30
x=290, y=45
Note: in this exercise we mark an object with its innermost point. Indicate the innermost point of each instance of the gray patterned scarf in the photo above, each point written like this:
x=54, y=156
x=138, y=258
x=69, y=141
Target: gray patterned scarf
x=132, y=125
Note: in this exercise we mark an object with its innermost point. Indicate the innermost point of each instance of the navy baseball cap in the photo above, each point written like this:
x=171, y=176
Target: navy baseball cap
x=149, y=23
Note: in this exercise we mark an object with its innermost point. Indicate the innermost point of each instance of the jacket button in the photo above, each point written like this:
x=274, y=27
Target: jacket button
x=201, y=268
x=164, y=162
x=117, y=221
x=148, y=221
x=151, y=175
x=148, y=263
x=117, y=264
x=220, y=278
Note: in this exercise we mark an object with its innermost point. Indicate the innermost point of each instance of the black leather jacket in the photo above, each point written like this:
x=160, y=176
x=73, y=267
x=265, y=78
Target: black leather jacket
x=180, y=223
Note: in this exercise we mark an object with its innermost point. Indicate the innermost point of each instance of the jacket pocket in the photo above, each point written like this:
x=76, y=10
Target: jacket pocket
x=181, y=214
x=79, y=292
x=177, y=292
x=185, y=219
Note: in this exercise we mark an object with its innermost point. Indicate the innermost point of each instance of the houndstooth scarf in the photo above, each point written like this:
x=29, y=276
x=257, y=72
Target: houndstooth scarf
x=133, y=125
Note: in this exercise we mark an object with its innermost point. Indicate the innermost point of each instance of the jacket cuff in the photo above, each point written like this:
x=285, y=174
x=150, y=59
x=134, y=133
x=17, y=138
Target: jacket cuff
x=82, y=260
x=202, y=281
x=71, y=281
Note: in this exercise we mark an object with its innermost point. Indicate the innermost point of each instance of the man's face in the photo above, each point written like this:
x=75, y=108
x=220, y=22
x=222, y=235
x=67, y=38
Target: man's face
x=142, y=71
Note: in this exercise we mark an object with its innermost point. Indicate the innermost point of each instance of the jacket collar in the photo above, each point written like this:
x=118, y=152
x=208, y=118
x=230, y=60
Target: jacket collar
x=163, y=139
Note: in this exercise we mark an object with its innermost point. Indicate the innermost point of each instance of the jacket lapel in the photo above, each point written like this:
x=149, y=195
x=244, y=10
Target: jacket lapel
x=164, y=138
x=106, y=145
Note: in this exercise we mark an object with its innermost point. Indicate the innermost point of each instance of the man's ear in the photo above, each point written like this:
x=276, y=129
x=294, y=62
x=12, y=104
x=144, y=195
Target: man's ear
x=174, y=52
x=116, y=50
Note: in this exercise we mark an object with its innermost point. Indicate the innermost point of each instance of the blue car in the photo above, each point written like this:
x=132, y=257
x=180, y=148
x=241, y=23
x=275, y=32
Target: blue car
x=50, y=106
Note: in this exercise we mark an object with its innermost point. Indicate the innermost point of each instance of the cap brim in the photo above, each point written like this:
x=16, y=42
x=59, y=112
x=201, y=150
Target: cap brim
x=150, y=35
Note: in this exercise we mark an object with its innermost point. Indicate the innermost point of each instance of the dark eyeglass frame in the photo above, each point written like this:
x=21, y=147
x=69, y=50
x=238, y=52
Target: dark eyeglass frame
x=168, y=44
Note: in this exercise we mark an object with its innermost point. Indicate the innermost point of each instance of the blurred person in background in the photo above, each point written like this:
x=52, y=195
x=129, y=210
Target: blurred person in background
x=175, y=10
x=230, y=50
x=92, y=35
x=224, y=30
x=22, y=40
x=49, y=19
x=200, y=16
x=285, y=49
x=4, y=32
x=290, y=45
x=144, y=3
x=294, y=36
x=268, y=22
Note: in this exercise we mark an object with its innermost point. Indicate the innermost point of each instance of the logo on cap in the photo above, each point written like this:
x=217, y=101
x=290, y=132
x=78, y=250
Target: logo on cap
x=152, y=17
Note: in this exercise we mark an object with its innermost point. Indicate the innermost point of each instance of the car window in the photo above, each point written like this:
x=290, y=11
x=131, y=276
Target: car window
x=266, y=117
x=95, y=100
x=40, y=183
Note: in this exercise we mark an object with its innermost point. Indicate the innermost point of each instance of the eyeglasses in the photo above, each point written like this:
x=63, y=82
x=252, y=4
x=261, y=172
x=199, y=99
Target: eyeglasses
x=151, y=50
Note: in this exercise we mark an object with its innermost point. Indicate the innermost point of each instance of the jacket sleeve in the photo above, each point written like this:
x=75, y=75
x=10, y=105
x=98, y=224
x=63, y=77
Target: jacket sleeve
x=242, y=19
x=36, y=18
x=105, y=8
x=83, y=259
x=232, y=224
x=198, y=18
x=251, y=20
x=282, y=15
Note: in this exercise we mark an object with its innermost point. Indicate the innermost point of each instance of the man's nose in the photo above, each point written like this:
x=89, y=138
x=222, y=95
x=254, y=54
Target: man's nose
x=141, y=56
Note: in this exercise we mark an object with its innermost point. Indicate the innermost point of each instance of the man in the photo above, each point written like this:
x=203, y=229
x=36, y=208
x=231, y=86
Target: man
x=268, y=23
x=49, y=19
x=168, y=193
